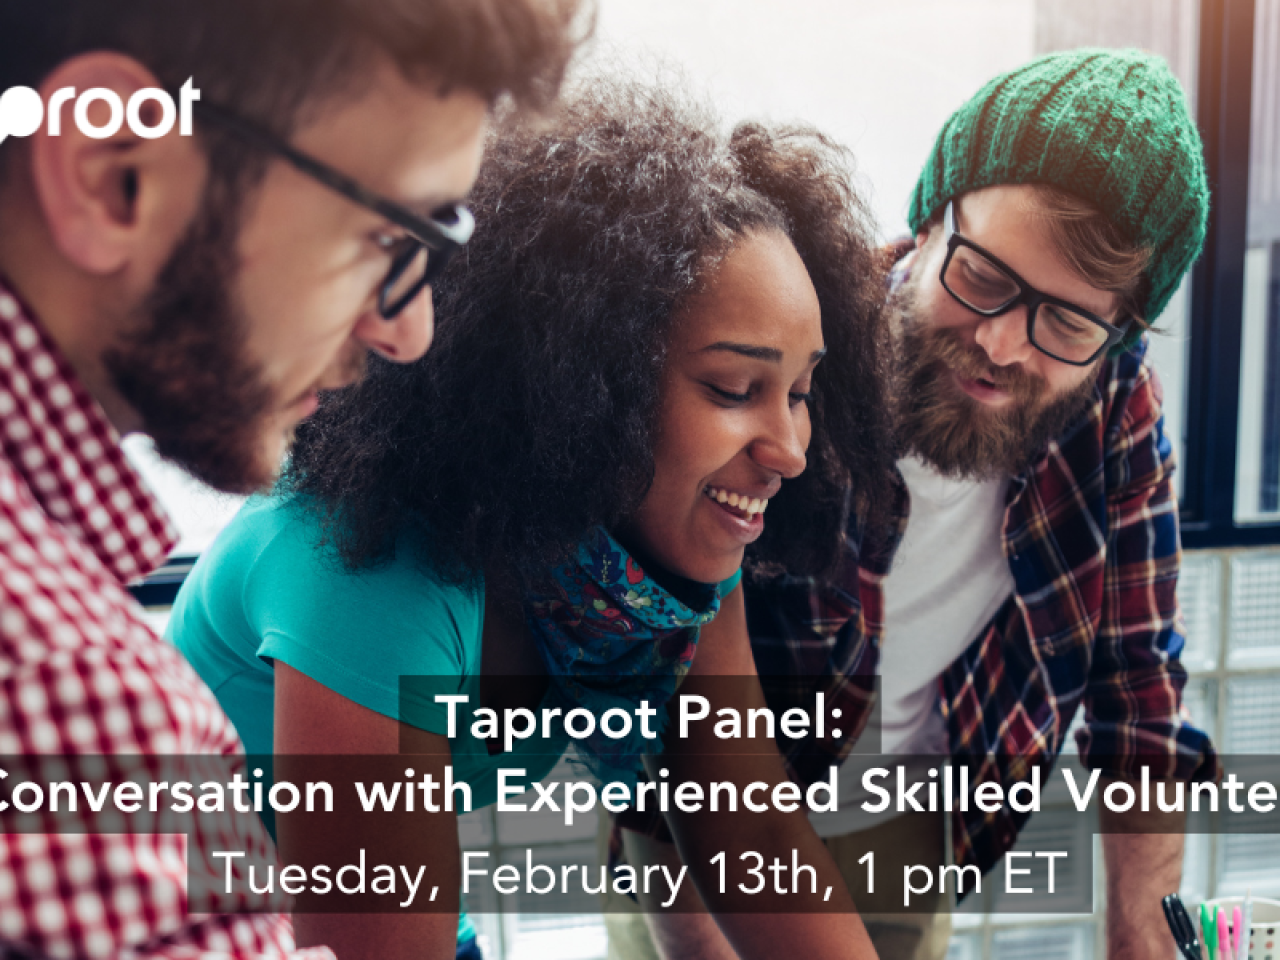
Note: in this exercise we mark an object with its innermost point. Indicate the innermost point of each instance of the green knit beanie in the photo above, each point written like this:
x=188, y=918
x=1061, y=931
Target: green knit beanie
x=1110, y=126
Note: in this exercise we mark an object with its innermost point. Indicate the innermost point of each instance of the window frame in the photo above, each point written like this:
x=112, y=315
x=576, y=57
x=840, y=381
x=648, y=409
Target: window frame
x=1211, y=451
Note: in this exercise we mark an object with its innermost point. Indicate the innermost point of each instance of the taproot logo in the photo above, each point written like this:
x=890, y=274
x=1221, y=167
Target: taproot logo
x=23, y=112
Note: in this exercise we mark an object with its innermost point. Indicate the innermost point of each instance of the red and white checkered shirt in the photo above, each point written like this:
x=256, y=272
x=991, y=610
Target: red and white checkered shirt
x=81, y=675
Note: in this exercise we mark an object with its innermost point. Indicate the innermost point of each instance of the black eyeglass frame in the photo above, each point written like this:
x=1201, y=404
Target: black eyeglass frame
x=1027, y=294
x=440, y=237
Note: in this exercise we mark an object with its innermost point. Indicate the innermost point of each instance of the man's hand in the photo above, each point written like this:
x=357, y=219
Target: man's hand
x=1143, y=855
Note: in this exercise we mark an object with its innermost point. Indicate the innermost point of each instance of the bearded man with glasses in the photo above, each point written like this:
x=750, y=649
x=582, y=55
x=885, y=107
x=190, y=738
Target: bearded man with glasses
x=1026, y=578
x=1035, y=549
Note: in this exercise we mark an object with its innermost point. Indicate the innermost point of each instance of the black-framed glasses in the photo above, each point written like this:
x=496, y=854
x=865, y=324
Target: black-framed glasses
x=980, y=281
x=417, y=260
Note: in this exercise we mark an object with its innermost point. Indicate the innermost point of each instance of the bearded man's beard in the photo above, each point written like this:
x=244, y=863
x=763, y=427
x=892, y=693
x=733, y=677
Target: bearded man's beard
x=184, y=369
x=961, y=437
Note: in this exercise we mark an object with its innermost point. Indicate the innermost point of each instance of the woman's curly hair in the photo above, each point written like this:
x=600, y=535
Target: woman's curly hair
x=532, y=417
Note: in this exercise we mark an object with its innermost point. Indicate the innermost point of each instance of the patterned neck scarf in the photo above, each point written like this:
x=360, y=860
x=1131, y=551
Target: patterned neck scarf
x=611, y=637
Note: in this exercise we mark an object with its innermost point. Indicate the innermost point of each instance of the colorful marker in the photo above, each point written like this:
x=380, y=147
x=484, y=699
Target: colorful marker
x=1207, y=931
x=1224, y=941
x=1236, y=927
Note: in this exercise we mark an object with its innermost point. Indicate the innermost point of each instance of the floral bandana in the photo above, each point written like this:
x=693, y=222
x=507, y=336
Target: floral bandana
x=611, y=637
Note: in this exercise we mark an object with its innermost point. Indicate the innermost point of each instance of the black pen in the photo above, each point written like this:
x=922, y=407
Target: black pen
x=1180, y=925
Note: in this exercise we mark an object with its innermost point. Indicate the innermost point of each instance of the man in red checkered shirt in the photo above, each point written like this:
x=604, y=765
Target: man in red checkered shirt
x=200, y=286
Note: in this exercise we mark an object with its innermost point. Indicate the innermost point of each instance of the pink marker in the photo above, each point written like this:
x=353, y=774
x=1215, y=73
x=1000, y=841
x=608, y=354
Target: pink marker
x=1224, y=945
x=1237, y=926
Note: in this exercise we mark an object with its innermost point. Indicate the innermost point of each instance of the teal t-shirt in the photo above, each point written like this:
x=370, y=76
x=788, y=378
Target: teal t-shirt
x=268, y=590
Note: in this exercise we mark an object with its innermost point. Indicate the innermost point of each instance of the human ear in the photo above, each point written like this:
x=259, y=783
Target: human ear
x=117, y=202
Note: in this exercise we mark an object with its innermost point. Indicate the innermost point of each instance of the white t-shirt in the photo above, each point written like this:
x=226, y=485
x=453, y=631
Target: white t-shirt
x=949, y=578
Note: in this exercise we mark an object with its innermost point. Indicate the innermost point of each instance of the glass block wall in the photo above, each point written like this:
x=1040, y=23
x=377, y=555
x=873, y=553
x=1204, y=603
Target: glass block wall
x=1231, y=602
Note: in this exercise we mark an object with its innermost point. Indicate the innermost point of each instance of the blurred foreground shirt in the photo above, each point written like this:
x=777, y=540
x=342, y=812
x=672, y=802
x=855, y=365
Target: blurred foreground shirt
x=83, y=677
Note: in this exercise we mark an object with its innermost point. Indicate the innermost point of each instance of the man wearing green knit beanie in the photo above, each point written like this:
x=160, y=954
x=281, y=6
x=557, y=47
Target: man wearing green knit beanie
x=1025, y=584
x=1036, y=552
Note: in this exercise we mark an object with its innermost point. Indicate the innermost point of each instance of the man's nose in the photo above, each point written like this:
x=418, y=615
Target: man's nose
x=1004, y=337
x=403, y=338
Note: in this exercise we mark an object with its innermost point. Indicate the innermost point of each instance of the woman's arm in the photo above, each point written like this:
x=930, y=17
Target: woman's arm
x=767, y=924
x=318, y=736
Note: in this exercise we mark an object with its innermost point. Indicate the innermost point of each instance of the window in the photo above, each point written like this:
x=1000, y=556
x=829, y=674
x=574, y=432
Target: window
x=1231, y=459
x=1258, y=469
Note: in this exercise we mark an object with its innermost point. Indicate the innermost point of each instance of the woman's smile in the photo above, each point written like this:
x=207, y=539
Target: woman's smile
x=740, y=503
x=741, y=515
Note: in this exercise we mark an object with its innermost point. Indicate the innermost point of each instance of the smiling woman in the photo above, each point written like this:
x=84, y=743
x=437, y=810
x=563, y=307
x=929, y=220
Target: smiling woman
x=734, y=416
x=578, y=300
x=655, y=332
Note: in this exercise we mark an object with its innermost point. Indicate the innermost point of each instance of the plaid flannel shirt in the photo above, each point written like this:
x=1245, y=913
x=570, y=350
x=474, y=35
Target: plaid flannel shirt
x=1091, y=536
x=86, y=685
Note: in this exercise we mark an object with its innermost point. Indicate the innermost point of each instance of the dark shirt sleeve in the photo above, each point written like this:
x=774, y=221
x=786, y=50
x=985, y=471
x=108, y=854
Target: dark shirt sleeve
x=1134, y=711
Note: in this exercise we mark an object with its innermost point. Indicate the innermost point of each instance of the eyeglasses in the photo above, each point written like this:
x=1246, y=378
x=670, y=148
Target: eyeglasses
x=981, y=282
x=416, y=260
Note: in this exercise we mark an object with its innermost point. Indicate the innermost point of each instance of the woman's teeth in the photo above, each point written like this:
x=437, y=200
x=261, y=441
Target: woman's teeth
x=741, y=502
